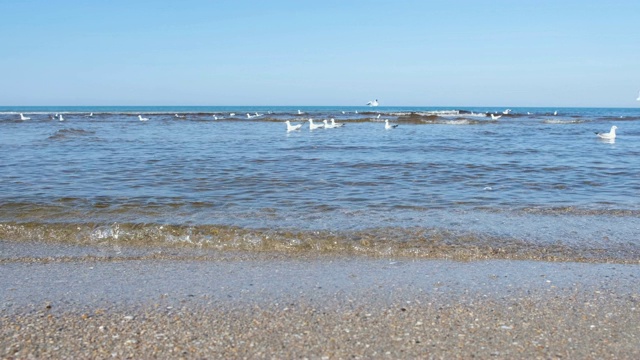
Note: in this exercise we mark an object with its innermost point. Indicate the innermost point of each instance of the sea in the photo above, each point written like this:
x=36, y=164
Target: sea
x=447, y=182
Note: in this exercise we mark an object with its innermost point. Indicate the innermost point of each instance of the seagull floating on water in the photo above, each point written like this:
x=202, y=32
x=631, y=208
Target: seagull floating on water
x=60, y=117
x=313, y=126
x=142, y=118
x=249, y=116
x=507, y=112
x=555, y=112
x=373, y=103
x=180, y=116
x=610, y=135
x=335, y=124
x=300, y=112
x=292, y=127
x=388, y=126
x=493, y=117
x=22, y=117
x=327, y=125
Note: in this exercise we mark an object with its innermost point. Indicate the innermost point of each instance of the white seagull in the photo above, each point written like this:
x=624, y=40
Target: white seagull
x=335, y=124
x=493, y=117
x=507, y=112
x=292, y=127
x=300, y=112
x=180, y=116
x=249, y=116
x=313, y=126
x=327, y=125
x=373, y=103
x=142, y=119
x=22, y=117
x=90, y=115
x=60, y=117
x=388, y=126
x=610, y=135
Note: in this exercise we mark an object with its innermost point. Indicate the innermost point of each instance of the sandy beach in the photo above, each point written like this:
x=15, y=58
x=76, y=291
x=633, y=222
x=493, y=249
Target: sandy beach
x=84, y=302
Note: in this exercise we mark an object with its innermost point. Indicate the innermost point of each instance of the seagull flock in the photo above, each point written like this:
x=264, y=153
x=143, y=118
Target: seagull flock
x=327, y=125
x=610, y=136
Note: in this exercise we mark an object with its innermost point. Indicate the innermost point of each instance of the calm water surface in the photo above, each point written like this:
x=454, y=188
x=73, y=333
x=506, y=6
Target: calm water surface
x=443, y=177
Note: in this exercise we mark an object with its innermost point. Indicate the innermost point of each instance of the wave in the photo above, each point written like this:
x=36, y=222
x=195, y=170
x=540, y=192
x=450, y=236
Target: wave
x=563, y=121
x=422, y=116
x=375, y=242
x=65, y=134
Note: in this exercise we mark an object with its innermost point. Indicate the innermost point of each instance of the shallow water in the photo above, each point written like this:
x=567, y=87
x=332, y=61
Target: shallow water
x=449, y=179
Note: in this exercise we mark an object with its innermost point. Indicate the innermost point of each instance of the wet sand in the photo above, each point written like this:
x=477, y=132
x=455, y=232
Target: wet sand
x=91, y=303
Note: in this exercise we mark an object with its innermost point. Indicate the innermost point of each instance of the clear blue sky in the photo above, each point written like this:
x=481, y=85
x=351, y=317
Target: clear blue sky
x=330, y=52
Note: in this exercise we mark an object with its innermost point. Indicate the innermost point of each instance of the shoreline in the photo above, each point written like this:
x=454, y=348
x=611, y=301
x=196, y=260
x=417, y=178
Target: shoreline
x=259, y=305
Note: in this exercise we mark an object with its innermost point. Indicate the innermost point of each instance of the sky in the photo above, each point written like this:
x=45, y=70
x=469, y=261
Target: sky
x=311, y=53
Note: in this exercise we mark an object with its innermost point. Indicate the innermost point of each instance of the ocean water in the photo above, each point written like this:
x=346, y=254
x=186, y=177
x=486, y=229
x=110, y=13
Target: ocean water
x=447, y=182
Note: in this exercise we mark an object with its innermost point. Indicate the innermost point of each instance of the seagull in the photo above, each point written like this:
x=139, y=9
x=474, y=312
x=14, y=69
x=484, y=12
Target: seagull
x=292, y=127
x=388, y=126
x=335, y=124
x=610, y=135
x=555, y=112
x=180, y=116
x=249, y=116
x=493, y=117
x=327, y=125
x=232, y=114
x=300, y=112
x=373, y=103
x=215, y=117
x=313, y=126
x=507, y=112
x=378, y=117
x=90, y=115
x=60, y=117
x=142, y=119
x=638, y=99
x=22, y=117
